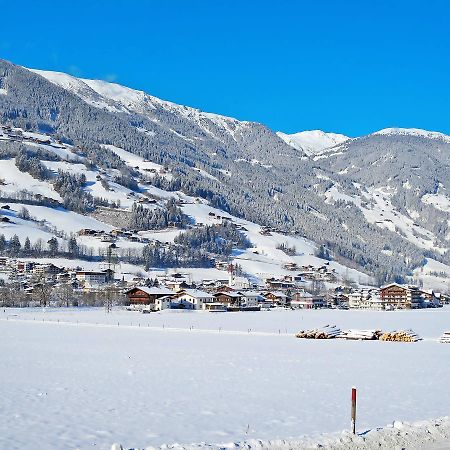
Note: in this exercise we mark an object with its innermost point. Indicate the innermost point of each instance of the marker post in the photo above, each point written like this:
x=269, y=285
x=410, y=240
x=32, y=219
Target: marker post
x=354, y=410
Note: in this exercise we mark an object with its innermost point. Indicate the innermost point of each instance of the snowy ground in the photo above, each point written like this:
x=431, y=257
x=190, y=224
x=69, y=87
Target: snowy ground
x=79, y=385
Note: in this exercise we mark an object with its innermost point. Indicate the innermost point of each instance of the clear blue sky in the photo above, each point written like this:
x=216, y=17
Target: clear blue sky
x=344, y=66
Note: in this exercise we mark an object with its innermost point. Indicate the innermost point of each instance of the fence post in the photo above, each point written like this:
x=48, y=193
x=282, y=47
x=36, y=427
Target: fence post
x=354, y=410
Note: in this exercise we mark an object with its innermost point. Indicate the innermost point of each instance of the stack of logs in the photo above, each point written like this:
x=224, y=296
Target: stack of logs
x=445, y=338
x=361, y=335
x=400, y=336
x=326, y=332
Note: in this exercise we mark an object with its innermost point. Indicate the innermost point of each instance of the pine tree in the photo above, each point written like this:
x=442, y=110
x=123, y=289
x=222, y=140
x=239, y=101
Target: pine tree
x=27, y=246
x=2, y=243
x=73, y=247
x=15, y=246
x=53, y=246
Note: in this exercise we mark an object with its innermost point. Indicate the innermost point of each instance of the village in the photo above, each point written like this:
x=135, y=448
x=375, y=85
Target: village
x=30, y=283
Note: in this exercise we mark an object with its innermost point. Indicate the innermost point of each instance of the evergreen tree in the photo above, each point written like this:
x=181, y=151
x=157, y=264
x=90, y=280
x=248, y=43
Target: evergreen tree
x=27, y=247
x=53, y=246
x=2, y=243
x=73, y=247
x=14, y=246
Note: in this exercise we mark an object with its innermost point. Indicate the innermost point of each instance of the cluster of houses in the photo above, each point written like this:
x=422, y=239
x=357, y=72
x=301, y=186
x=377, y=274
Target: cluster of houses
x=27, y=273
x=112, y=236
x=177, y=293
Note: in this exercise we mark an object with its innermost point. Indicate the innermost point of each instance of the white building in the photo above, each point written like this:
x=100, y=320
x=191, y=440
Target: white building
x=366, y=299
x=91, y=279
x=194, y=298
x=239, y=282
x=251, y=298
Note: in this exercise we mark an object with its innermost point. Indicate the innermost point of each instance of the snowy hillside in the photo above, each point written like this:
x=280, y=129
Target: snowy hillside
x=117, y=98
x=312, y=142
x=379, y=203
x=261, y=260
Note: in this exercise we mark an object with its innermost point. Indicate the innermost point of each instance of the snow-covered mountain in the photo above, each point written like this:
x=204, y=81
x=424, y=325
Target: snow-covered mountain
x=312, y=142
x=45, y=216
x=414, y=132
x=380, y=202
x=116, y=98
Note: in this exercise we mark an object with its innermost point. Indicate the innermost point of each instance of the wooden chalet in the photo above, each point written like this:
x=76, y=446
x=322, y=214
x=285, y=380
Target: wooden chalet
x=229, y=298
x=143, y=295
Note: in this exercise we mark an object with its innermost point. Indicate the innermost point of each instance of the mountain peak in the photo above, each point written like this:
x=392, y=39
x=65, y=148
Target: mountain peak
x=413, y=132
x=312, y=142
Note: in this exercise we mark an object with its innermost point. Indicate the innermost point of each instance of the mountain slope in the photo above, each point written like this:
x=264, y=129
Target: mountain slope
x=244, y=168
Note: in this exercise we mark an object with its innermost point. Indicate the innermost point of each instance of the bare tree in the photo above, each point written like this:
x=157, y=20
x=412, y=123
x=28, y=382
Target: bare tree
x=64, y=294
x=42, y=291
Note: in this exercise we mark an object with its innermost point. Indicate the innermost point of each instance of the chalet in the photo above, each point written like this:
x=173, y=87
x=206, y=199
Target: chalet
x=365, y=299
x=229, y=298
x=305, y=300
x=251, y=298
x=239, y=282
x=177, y=285
x=143, y=295
x=431, y=299
x=277, y=297
x=194, y=299
x=272, y=283
x=290, y=266
x=397, y=296
x=222, y=286
x=46, y=269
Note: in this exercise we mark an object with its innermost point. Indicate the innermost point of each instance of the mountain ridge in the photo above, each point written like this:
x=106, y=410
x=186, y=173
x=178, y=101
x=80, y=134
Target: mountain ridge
x=246, y=169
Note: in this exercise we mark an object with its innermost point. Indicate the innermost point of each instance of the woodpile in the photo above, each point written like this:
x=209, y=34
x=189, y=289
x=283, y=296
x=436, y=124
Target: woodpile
x=400, y=336
x=445, y=338
x=361, y=335
x=326, y=332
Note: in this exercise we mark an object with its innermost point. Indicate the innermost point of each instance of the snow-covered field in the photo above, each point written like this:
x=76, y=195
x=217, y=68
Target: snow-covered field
x=85, y=382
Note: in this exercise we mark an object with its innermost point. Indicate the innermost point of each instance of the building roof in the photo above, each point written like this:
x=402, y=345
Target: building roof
x=401, y=286
x=277, y=294
x=152, y=290
x=228, y=294
x=195, y=293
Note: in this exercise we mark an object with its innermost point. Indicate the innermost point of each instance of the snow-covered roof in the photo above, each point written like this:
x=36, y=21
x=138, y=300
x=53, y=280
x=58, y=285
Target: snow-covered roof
x=229, y=294
x=277, y=294
x=153, y=290
x=196, y=293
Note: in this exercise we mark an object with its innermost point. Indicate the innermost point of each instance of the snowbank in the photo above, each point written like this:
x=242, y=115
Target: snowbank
x=425, y=435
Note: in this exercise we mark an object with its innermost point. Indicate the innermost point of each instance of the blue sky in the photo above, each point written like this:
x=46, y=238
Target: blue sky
x=345, y=66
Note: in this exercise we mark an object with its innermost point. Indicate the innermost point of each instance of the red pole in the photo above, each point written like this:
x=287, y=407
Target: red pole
x=354, y=410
